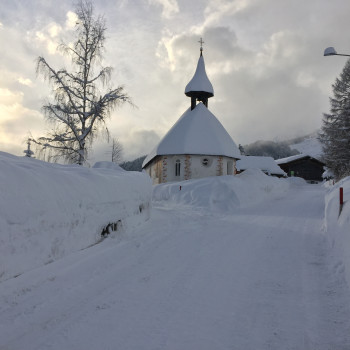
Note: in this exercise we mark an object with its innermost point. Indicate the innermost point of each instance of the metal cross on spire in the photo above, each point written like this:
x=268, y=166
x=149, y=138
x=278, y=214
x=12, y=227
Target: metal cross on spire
x=201, y=48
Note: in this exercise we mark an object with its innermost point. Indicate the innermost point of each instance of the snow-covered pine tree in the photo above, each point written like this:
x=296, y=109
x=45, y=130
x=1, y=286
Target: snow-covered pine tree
x=335, y=131
x=79, y=109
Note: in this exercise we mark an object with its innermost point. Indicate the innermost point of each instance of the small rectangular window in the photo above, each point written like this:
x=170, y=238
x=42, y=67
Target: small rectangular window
x=177, y=168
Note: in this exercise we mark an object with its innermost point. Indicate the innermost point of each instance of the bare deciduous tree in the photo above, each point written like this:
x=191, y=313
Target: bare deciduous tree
x=80, y=109
x=117, y=151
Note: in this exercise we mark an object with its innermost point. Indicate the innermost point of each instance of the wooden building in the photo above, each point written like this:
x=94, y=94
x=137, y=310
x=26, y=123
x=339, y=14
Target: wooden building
x=302, y=165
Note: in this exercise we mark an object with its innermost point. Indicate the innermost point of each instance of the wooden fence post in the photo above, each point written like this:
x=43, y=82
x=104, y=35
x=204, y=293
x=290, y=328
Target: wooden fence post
x=341, y=199
x=341, y=196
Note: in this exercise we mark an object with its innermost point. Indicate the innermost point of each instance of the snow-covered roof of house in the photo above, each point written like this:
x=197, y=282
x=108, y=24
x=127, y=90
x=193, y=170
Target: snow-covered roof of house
x=200, y=80
x=266, y=164
x=196, y=132
x=296, y=157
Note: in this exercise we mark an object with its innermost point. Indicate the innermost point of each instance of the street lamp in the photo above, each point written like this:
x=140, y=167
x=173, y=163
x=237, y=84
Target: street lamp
x=330, y=51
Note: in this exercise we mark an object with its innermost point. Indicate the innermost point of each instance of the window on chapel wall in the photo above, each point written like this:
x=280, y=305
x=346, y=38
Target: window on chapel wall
x=206, y=162
x=230, y=167
x=177, y=167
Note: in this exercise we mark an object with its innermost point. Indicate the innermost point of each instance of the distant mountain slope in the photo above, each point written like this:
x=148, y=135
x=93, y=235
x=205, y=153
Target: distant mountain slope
x=308, y=144
x=273, y=149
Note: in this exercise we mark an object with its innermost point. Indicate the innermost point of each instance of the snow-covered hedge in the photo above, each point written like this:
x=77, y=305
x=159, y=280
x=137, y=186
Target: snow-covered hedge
x=224, y=193
x=50, y=210
x=338, y=226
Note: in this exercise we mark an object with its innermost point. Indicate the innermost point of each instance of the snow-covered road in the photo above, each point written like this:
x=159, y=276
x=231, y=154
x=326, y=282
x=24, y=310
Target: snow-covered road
x=259, y=278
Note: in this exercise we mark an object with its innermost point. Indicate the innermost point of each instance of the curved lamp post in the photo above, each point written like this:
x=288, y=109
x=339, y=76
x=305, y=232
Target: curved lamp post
x=330, y=51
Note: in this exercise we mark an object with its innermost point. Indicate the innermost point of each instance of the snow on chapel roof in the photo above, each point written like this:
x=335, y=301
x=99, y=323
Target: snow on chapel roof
x=200, y=80
x=196, y=132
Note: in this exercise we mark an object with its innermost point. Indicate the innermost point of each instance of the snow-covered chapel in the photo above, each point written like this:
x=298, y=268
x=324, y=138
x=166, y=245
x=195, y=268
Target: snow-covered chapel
x=197, y=145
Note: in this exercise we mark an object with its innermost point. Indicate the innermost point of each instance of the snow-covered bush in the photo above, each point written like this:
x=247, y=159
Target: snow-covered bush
x=337, y=226
x=50, y=210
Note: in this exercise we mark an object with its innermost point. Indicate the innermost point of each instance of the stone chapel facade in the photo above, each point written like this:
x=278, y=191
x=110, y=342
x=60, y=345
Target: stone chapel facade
x=197, y=145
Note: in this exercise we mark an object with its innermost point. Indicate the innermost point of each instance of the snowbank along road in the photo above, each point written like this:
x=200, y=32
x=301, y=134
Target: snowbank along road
x=256, y=278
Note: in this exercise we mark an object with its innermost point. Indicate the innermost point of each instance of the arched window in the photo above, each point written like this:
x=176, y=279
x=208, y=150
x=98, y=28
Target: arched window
x=177, y=167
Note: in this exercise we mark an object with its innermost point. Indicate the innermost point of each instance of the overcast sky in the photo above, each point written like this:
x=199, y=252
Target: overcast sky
x=263, y=57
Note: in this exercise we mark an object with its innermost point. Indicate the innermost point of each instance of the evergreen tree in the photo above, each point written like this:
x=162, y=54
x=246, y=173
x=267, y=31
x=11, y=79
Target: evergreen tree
x=80, y=109
x=335, y=131
x=134, y=165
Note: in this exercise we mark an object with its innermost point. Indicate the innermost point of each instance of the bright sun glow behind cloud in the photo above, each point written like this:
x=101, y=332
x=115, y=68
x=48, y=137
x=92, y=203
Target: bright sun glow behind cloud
x=71, y=20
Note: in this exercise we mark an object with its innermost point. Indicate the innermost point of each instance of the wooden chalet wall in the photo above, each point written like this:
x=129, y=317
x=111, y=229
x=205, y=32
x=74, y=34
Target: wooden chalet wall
x=308, y=168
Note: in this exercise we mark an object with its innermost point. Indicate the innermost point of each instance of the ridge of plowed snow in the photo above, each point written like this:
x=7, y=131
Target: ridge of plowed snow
x=224, y=193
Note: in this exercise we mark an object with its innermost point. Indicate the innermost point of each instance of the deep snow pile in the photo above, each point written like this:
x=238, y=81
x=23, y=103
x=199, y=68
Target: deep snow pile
x=338, y=226
x=224, y=193
x=50, y=210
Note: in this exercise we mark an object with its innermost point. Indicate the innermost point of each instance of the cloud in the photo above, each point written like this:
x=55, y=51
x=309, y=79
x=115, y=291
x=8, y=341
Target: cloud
x=266, y=87
x=71, y=20
x=264, y=58
x=49, y=36
x=16, y=121
x=54, y=30
x=216, y=9
x=170, y=7
x=140, y=141
x=135, y=143
x=24, y=81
